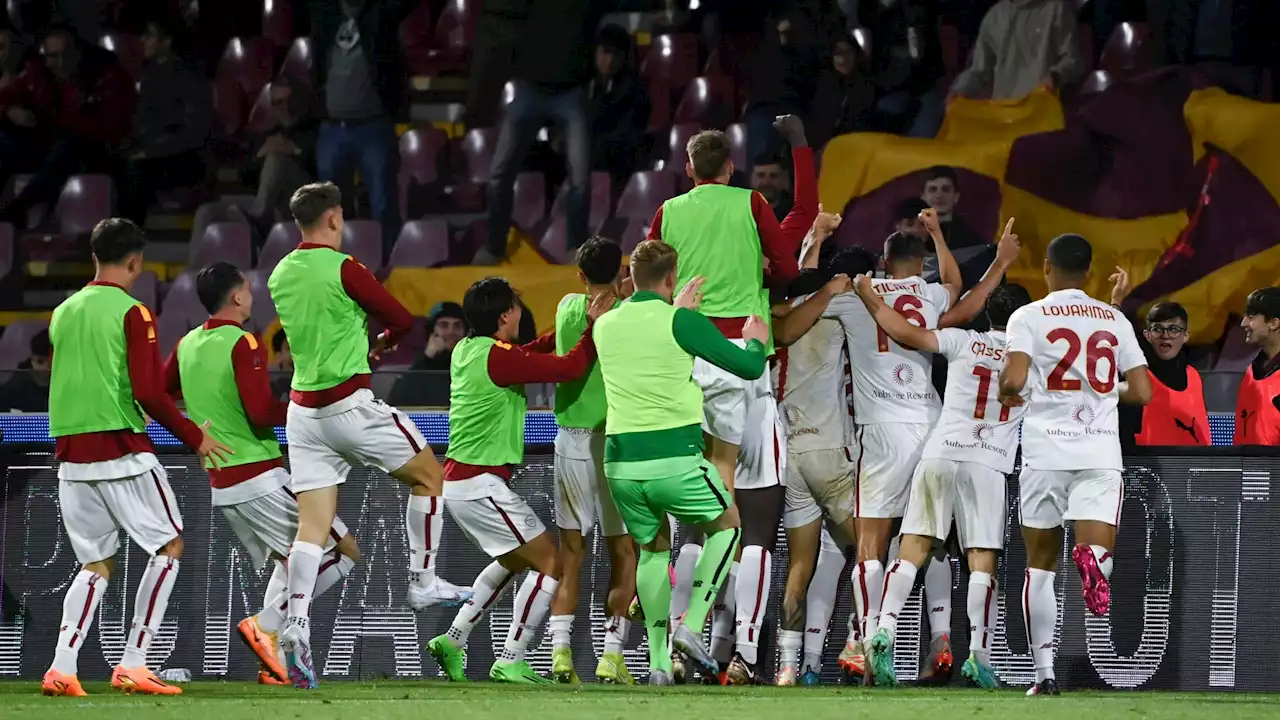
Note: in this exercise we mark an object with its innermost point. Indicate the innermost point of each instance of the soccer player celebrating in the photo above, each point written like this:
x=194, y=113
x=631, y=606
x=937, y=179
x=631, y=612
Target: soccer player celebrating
x=487, y=409
x=961, y=475
x=106, y=374
x=226, y=384
x=581, y=492
x=1068, y=350
x=1258, y=406
x=324, y=299
x=653, y=446
x=896, y=404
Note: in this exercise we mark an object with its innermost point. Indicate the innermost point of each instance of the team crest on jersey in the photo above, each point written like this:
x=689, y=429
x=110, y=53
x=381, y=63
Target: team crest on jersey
x=1082, y=414
x=903, y=374
x=982, y=432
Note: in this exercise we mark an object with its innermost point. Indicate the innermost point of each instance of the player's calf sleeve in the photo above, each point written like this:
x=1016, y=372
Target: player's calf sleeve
x=1040, y=610
x=487, y=588
x=898, y=583
x=820, y=603
x=275, y=601
x=304, y=565
x=561, y=627
x=711, y=572
x=868, y=589
x=532, y=603
x=618, y=629
x=686, y=565
x=983, y=606
x=79, y=608
x=654, y=589
x=149, y=607
x=723, y=616
x=423, y=523
x=1103, y=556
x=789, y=642
x=937, y=592
x=755, y=571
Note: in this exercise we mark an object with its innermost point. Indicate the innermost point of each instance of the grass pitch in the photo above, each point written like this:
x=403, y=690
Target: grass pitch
x=416, y=700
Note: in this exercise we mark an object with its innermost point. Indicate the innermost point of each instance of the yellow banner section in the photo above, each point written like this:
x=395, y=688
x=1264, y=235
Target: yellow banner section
x=1246, y=129
x=1002, y=120
x=540, y=286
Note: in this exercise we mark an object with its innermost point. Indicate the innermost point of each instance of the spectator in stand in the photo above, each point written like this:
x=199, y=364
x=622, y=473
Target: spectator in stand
x=282, y=366
x=1258, y=403
x=11, y=52
x=941, y=192
x=844, y=98
x=1022, y=45
x=1230, y=41
x=550, y=66
x=64, y=116
x=286, y=159
x=28, y=389
x=783, y=73
x=171, y=128
x=426, y=384
x=361, y=77
x=618, y=103
x=771, y=180
x=906, y=64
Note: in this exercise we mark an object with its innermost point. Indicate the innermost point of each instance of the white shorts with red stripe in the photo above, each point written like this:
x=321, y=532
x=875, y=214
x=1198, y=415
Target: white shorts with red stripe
x=324, y=442
x=581, y=490
x=95, y=511
x=887, y=457
x=970, y=493
x=491, y=514
x=762, y=456
x=1047, y=498
x=728, y=400
x=268, y=524
x=819, y=482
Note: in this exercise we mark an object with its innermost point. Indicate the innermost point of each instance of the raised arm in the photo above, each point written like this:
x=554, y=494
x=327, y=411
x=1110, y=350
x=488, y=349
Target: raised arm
x=698, y=336
x=948, y=269
x=972, y=303
x=891, y=321
x=790, y=323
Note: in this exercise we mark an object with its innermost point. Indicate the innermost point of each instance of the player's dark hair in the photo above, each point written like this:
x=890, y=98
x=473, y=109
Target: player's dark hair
x=851, y=261
x=1003, y=301
x=600, y=259
x=1166, y=311
x=41, y=346
x=528, y=326
x=115, y=239
x=1071, y=254
x=485, y=303
x=310, y=202
x=278, y=340
x=909, y=209
x=1265, y=302
x=709, y=152
x=900, y=247
x=215, y=283
x=942, y=171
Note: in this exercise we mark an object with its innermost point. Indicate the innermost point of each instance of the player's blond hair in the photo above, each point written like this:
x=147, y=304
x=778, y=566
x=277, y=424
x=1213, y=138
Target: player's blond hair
x=651, y=261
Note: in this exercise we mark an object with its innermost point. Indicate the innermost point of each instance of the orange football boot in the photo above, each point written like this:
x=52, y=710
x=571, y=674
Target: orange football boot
x=56, y=684
x=141, y=680
x=263, y=644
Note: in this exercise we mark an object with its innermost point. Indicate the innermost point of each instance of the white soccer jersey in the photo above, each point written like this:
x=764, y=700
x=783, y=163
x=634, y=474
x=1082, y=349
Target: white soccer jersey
x=891, y=384
x=811, y=389
x=1079, y=349
x=974, y=426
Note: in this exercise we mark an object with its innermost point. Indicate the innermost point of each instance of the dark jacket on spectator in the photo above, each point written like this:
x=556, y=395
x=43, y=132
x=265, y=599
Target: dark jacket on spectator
x=553, y=48
x=426, y=384
x=22, y=393
x=98, y=102
x=619, y=111
x=379, y=23
x=175, y=109
x=784, y=76
x=892, y=66
x=842, y=104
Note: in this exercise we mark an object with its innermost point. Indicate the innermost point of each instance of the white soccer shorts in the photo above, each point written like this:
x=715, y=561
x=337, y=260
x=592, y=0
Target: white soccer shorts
x=581, y=491
x=491, y=514
x=972, y=494
x=727, y=400
x=268, y=524
x=887, y=458
x=1047, y=498
x=95, y=511
x=762, y=457
x=819, y=482
x=324, y=442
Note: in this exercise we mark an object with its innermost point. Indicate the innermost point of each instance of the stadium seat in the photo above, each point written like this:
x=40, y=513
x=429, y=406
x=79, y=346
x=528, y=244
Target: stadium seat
x=554, y=241
x=673, y=59
x=677, y=144
x=6, y=249
x=1127, y=52
x=145, y=288
x=85, y=200
x=277, y=22
x=281, y=241
x=450, y=47
x=644, y=193
x=660, y=106
x=262, y=116
x=530, y=204
x=707, y=101
x=416, y=39
x=264, y=309
x=297, y=62
x=227, y=241
x=422, y=244
x=128, y=48
x=245, y=67
x=737, y=134
x=634, y=233
x=477, y=148
x=420, y=155
x=362, y=239
x=1095, y=82
x=15, y=343
x=179, y=311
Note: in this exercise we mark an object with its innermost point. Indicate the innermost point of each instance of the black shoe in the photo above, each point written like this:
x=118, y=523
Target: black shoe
x=1045, y=687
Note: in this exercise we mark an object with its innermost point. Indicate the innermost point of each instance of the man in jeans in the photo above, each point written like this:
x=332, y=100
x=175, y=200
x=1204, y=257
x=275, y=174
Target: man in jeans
x=551, y=61
x=361, y=78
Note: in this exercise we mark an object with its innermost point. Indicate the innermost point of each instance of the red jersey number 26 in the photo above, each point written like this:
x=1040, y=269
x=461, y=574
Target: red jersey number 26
x=1100, y=346
x=908, y=306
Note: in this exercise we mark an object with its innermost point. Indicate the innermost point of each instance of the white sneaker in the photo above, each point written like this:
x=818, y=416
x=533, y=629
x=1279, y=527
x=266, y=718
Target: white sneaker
x=436, y=592
x=295, y=641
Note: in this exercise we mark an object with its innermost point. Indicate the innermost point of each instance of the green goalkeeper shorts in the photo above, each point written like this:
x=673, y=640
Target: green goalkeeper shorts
x=695, y=496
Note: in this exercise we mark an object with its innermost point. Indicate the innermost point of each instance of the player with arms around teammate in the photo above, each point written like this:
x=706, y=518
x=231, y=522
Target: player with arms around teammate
x=960, y=478
x=226, y=384
x=895, y=405
x=106, y=374
x=654, y=443
x=487, y=408
x=324, y=299
x=1070, y=351
x=1258, y=405
x=581, y=492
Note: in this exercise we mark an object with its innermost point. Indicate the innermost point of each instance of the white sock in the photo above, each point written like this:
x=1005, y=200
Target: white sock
x=561, y=631
x=79, y=608
x=331, y=571
x=686, y=563
x=148, y=608
x=616, y=632
x=937, y=592
x=789, y=642
x=983, y=605
x=868, y=588
x=1040, y=610
x=754, y=574
x=1103, y=556
x=304, y=565
x=820, y=603
x=275, y=601
x=423, y=523
x=531, y=605
x=487, y=587
x=723, y=615
x=898, y=583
